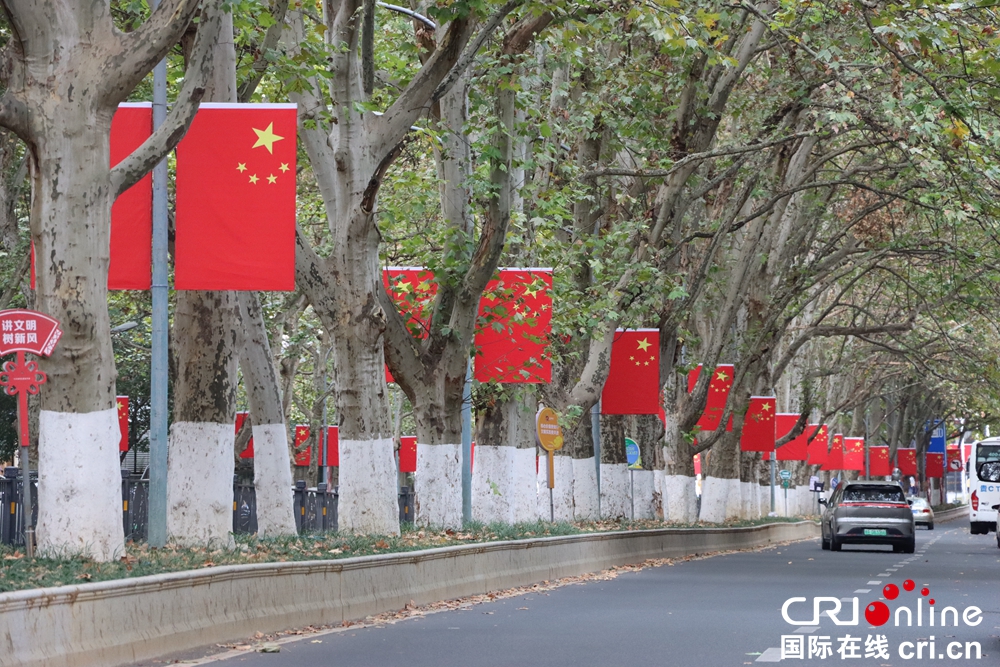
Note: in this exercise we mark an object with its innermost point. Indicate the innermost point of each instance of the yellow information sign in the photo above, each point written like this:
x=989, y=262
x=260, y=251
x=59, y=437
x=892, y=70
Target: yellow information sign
x=549, y=435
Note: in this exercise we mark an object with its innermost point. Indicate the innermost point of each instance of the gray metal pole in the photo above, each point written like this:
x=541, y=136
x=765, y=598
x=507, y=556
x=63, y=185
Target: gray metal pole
x=157, y=521
x=595, y=430
x=467, y=446
x=774, y=466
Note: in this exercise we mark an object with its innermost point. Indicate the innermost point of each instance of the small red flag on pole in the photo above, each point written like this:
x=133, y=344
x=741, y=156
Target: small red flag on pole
x=123, y=423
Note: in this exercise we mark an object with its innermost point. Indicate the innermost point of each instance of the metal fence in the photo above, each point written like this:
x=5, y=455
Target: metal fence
x=315, y=508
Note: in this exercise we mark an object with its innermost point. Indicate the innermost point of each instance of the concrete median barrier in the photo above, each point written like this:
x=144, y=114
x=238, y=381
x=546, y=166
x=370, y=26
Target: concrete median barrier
x=124, y=621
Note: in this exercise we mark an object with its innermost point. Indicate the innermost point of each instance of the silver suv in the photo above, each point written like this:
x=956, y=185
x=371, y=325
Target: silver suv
x=868, y=513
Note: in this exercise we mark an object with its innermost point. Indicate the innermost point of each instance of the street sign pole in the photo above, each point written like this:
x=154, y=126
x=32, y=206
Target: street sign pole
x=774, y=465
x=157, y=507
x=548, y=436
x=467, y=446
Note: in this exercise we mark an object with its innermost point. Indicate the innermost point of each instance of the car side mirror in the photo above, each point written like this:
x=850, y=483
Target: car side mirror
x=822, y=501
x=909, y=502
x=995, y=507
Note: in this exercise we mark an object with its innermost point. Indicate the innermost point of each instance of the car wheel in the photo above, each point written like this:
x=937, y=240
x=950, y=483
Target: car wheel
x=897, y=548
x=930, y=526
x=825, y=543
x=910, y=546
x=834, y=543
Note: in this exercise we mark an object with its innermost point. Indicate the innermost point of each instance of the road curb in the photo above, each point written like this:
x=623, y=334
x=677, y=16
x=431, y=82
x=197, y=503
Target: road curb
x=950, y=515
x=124, y=621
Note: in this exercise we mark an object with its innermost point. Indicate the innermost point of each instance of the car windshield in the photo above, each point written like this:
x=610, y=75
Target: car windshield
x=919, y=502
x=877, y=494
x=988, y=463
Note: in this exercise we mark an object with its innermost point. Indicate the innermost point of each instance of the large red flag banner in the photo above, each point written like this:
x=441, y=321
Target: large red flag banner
x=854, y=453
x=906, y=460
x=412, y=289
x=934, y=465
x=759, y=424
x=818, y=449
x=123, y=423
x=718, y=392
x=236, y=199
x=247, y=452
x=878, y=461
x=333, y=446
x=408, y=453
x=796, y=448
x=302, y=452
x=515, y=319
x=132, y=212
x=633, y=384
x=835, y=459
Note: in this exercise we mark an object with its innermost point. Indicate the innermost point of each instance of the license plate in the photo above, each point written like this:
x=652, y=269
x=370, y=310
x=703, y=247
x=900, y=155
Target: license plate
x=875, y=531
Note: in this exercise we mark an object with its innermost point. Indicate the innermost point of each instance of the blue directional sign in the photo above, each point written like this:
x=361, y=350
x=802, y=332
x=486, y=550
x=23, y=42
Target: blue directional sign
x=632, y=454
x=937, y=430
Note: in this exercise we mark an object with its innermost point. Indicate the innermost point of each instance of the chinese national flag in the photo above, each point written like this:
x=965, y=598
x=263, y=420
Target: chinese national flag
x=408, y=453
x=835, y=459
x=633, y=384
x=906, y=460
x=123, y=423
x=412, y=290
x=515, y=319
x=132, y=212
x=302, y=453
x=854, y=453
x=934, y=465
x=794, y=449
x=817, y=450
x=236, y=199
x=759, y=425
x=333, y=446
x=247, y=453
x=718, y=392
x=878, y=460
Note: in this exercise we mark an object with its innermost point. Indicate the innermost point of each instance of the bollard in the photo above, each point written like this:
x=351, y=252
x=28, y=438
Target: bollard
x=299, y=504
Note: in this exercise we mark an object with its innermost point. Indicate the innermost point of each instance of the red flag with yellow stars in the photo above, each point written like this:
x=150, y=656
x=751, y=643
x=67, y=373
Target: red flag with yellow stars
x=123, y=423
x=906, y=461
x=835, y=459
x=934, y=465
x=412, y=289
x=515, y=319
x=878, y=461
x=818, y=449
x=759, y=424
x=796, y=448
x=303, y=453
x=408, y=453
x=718, y=392
x=633, y=384
x=854, y=454
x=236, y=199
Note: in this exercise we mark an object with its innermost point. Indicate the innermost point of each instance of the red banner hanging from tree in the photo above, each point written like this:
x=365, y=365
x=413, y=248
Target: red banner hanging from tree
x=247, y=452
x=236, y=186
x=835, y=459
x=408, y=453
x=934, y=465
x=513, y=327
x=122, y=402
x=633, y=384
x=817, y=450
x=718, y=392
x=854, y=453
x=758, y=425
x=132, y=212
x=303, y=453
x=878, y=460
x=906, y=460
x=796, y=448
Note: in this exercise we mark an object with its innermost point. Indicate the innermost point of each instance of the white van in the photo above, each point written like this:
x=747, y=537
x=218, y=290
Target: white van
x=983, y=468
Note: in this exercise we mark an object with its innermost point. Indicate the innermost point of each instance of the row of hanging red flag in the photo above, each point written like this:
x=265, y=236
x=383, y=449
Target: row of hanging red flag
x=235, y=200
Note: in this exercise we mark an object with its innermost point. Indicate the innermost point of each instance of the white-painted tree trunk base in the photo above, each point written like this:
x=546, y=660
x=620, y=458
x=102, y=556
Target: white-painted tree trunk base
x=200, y=484
x=680, y=499
x=644, y=490
x=765, y=499
x=562, y=494
x=272, y=480
x=584, y=489
x=749, y=500
x=438, y=483
x=368, y=497
x=503, y=484
x=720, y=500
x=80, y=485
x=615, y=502
x=657, y=504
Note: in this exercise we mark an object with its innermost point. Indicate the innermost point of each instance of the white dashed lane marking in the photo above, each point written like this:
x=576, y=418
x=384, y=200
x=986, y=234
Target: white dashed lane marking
x=863, y=590
x=770, y=655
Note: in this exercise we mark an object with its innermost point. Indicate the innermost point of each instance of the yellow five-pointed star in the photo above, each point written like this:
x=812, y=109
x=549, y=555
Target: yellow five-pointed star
x=266, y=138
x=722, y=376
x=425, y=286
x=766, y=407
x=283, y=167
x=120, y=405
x=643, y=344
x=272, y=179
x=241, y=167
x=531, y=290
x=403, y=287
x=253, y=178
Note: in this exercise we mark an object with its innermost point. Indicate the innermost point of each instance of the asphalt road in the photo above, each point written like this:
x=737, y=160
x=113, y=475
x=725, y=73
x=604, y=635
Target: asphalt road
x=715, y=612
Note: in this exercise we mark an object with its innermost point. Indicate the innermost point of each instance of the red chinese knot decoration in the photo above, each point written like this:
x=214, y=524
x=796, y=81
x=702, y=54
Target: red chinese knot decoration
x=25, y=331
